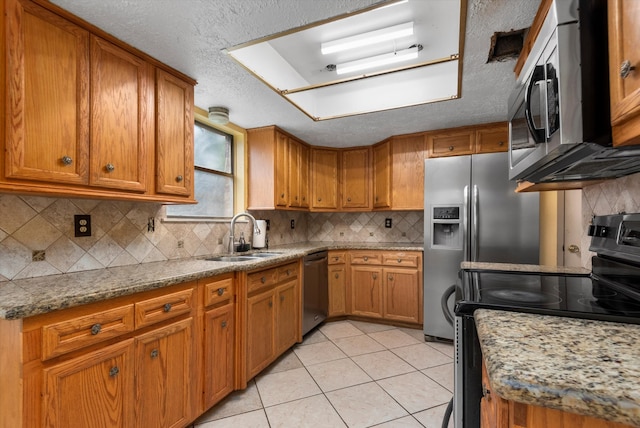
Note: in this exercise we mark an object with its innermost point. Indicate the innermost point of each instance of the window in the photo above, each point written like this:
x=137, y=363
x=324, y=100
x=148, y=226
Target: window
x=213, y=158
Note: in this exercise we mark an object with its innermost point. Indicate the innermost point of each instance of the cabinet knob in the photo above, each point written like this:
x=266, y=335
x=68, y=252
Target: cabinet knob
x=220, y=291
x=399, y=260
x=304, y=198
x=348, y=199
x=296, y=198
x=109, y=167
x=179, y=179
x=390, y=277
x=154, y=353
x=337, y=276
x=375, y=276
x=366, y=259
x=626, y=68
x=263, y=279
x=485, y=391
x=319, y=199
x=501, y=143
x=270, y=304
x=95, y=329
x=166, y=307
x=282, y=195
x=114, y=371
x=223, y=324
x=450, y=148
x=66, y=160
x=288, y=272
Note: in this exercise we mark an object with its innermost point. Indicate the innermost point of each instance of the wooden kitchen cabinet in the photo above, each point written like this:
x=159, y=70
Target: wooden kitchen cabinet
x=382, y=175
x=298, y=174
x=93, y=390
x=355, y=173
x=407, y=172
x=337, y=282
x=386, y=285
x=324, y=179
x=82, y=109
x=174, y=135
x=492, y=138
x=624, y=72
x=271, y=302
x=451, y=142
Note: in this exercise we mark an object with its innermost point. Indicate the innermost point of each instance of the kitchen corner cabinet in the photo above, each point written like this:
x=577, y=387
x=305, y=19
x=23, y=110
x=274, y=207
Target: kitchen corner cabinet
x=355, y=182
x=624, y=70
x=386, y=285
x=270, y=312
x=337, y=283
x=325, y=164
x=496, y=412
x=80, y=109
x=398, y=165
x=277, y=170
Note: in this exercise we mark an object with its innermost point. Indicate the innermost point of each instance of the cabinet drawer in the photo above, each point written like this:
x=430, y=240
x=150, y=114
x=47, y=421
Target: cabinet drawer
x=454, y=144
x=164, y=307
x=261, y=279
x=336, y=258
x=365, y=258
x=401, y=259
x=76, y=333
x=287, y=271
x=493, y=139
x=217, y=291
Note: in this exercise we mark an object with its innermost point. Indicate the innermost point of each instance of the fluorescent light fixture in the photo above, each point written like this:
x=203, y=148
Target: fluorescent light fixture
x=366, y=39
x=379, y=60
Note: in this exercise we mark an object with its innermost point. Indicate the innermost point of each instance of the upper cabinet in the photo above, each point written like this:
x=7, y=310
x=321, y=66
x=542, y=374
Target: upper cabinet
x=467, y=140
x=624, y=70
x=81, y=115
x=325, y=164
x=356, y=191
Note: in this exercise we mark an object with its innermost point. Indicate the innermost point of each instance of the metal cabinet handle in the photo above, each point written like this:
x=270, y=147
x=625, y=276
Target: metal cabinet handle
x=66, y=160
x=626, y=68
x=223, y=324
x=501, y=143
x=179, y=178
x=154, y=353
x=95, y=329
x=109, y=167
x=114, y=371
x=390, y=278
x=282, y=195
x=220, y=291
x=288, y=272
x=319, y=199
x=166, y=307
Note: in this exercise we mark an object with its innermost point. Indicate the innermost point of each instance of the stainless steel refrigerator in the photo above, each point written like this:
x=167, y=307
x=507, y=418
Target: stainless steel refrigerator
x=472, y=213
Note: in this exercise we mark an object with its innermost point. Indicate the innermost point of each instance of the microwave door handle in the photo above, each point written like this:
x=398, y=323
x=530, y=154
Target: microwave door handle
x=536, y=77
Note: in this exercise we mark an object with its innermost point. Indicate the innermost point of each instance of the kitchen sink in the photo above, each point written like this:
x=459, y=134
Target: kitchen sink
x=265, y=254
x=232, y=258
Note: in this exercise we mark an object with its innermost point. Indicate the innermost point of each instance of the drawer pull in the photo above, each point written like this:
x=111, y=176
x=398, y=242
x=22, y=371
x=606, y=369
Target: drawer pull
x=288, y=272
x=179, y=179
x=336, y=258
x=114, y=371
x=95, y=329
x=223, y=324
x=375, y=276
x=66, y=160
x=450, y=148
x=337, y=276
x=109, y=167
x=263, y=279
x=366, y=259
x=154, y=353
x=399, y=260
x=220, y=291
x=166, y=307
x=390, y=278
x=348, y=199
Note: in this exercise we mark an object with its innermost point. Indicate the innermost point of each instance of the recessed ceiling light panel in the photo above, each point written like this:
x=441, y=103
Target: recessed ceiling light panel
x=367, y=39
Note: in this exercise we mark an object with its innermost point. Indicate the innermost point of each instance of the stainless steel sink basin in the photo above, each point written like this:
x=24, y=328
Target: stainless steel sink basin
x=232, y=258
x=265, y=254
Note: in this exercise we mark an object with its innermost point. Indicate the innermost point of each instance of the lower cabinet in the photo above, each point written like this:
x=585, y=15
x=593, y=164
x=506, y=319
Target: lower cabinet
x=385, y=285
x=218, y=353
x=337, y=283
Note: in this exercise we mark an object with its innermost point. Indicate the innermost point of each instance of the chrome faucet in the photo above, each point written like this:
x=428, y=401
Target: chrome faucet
x=256, y=231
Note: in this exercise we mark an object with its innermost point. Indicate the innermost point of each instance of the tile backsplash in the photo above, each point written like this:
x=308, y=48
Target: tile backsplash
x=120, y=234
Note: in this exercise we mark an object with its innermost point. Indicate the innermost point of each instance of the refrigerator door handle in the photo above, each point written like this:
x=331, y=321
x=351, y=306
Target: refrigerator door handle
x=465, y=226
x=475, y=247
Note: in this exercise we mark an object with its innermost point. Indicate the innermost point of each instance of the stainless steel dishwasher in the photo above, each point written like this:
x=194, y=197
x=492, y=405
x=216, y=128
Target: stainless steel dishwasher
x=315, y=290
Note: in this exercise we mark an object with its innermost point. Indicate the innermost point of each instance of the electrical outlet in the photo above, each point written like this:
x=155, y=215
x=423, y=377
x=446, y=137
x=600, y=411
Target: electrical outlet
x=370, y=233
x=38, y=256
x=293, y=224
x=387, y=223
x=219, y=241
x=151, y=224
x=181, y=244
x=82, y=225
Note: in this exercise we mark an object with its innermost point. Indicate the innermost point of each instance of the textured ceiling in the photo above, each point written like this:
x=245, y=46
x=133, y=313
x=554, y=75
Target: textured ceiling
x=189, y=35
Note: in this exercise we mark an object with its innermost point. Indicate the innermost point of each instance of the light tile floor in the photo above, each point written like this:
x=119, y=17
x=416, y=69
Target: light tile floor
x=346, y=374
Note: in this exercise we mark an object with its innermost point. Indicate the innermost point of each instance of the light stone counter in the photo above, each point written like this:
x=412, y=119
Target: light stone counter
x=33, y=296
x=581, y=366
x=510, y=267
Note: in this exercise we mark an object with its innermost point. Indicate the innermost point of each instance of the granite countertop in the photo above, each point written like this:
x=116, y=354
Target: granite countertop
x=33, y=296
x=511, y=267
x=581, y=366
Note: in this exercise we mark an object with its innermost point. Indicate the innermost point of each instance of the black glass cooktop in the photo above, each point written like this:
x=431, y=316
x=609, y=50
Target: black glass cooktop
x=590, y=297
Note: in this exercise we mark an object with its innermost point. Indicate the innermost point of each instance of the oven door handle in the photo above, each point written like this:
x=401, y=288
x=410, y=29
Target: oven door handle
x=537, y=76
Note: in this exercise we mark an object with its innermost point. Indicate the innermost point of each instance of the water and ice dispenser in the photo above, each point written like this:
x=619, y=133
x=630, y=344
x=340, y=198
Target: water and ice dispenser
x=447, y=227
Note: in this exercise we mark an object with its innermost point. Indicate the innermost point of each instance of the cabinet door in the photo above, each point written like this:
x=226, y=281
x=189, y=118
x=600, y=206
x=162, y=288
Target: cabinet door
x=492, y=139
x=324, y=176
x=282, y=170
x=164, y=370
x=287, y=316
x=407, y=173
x=47, y=106
x=402, y=295
x=451, y=143
x=624, y=37
x=355, y=178
x=382, y=175
x=337, y=290
x=121, y=117
x=219, y=355
x=366, y=291
x=494, y=411
x=174, y=135
x=294, y=173
x=260, y=330
x=94, y=390
x=304, y=176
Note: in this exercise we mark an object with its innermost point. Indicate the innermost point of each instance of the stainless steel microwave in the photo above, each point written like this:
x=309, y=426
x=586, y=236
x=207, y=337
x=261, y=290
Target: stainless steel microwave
x=559, y=113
